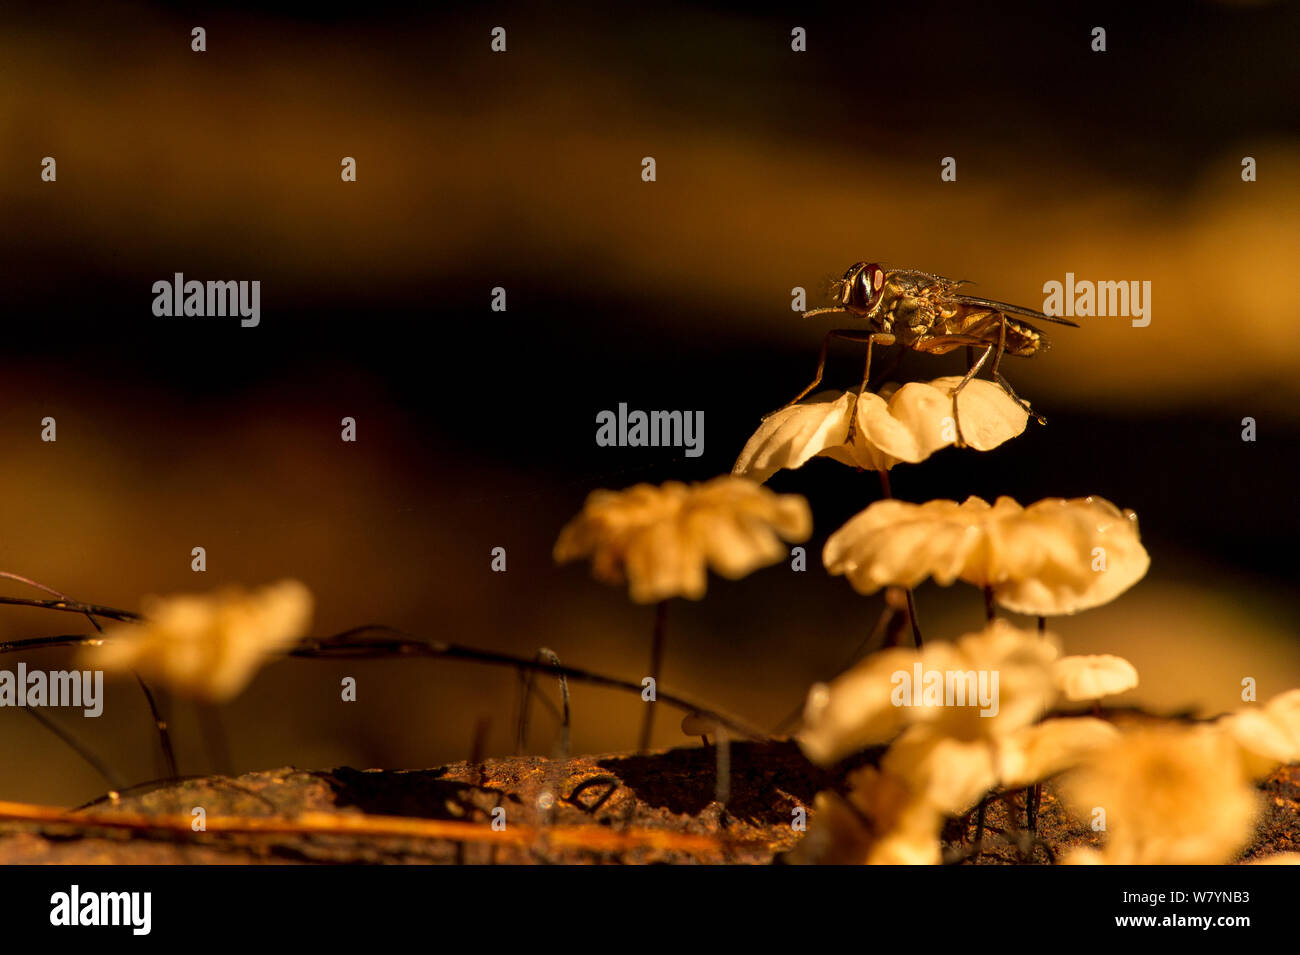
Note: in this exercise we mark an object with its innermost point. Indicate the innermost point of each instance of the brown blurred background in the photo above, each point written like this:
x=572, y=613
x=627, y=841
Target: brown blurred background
x=775, y=169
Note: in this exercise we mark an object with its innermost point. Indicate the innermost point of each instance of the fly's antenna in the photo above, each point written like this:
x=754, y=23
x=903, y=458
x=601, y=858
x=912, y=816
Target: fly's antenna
x=837, y=310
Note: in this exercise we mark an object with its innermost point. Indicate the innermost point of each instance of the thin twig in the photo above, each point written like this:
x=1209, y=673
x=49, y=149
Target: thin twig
x=75, y=606
x=46, y=643
x=49, y=590
x=401, y=644
x=152, y=785
x=160, y=724
x=596, y=838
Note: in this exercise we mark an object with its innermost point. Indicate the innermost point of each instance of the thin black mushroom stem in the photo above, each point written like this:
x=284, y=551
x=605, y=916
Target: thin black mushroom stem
x=695, y=724
x=1034, y=794
x=990, y=614
x=887, y=492
x=527, y=682
x=656, y=665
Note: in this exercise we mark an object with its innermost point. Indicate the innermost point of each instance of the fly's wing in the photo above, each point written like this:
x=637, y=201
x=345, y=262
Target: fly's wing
x=976, y=302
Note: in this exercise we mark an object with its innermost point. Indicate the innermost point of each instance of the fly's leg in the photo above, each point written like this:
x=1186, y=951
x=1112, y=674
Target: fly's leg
x=878, y=337
x=847, y=334
x=974, y=370
x=884, y=339
x=1001, y=378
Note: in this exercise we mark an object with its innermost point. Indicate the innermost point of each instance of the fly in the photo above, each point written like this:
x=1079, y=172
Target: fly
x=927, y=313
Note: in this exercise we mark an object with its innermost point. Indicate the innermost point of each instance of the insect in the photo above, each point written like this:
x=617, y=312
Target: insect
x=926, y=313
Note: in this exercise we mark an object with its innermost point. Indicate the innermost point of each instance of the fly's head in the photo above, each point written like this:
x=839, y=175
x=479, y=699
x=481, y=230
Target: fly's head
x=861, y=290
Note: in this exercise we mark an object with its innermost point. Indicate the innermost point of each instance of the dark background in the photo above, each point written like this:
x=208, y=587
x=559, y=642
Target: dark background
x=775, y=169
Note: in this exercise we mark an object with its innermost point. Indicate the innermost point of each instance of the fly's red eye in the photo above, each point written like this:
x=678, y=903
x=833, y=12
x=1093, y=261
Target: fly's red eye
x=865, y=285
x=862, y=290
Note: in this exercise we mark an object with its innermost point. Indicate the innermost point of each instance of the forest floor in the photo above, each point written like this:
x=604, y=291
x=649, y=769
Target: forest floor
x=621, y=808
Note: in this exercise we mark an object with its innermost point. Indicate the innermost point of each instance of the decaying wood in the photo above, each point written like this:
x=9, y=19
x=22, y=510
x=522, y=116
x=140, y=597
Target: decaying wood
x=622, y=808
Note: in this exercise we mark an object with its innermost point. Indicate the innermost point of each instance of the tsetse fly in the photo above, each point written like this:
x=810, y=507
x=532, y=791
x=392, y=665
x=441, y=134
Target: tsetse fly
x=926, y=313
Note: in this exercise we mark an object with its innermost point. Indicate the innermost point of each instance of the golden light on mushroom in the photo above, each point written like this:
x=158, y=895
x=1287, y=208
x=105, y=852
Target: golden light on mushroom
x=662, y=540
x=1034, y=753
x=1172, y=795
x=1055, y=556
x=877, y=431
x=880, y=821
x=1094, y=676
x=950, y=774
x=986, y=684
x=1268, y=735
x=209, y=645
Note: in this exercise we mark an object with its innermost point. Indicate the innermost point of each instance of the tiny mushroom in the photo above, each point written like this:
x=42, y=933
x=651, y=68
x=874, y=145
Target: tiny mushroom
x=1173, y=795
x=208, y=645
x=661, y=540
x=1092, y=677
x=1267, y=736
x=877, y=431
x=1053, y=557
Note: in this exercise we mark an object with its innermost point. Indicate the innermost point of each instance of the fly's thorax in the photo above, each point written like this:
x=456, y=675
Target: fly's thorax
x=911, y=316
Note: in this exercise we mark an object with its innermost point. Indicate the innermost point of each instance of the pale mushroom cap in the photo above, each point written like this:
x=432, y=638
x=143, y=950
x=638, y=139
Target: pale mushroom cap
x=910, y=425
x=949, y=774
x=870, y=704
x=208, y=646
x=1034, y=753
x=854, y=711
x=793, y=436
x=1095, y=676
x=662, y=540
x=1061, y=556
x=880, y=822
x=697, y=724
x=1173, y=795
x=1267, y=736
x=1054, y=557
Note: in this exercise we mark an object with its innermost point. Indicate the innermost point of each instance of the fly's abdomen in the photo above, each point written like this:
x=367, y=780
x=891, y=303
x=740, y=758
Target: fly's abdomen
x=1023, y=339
